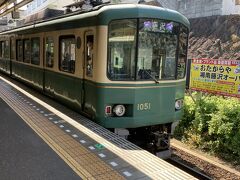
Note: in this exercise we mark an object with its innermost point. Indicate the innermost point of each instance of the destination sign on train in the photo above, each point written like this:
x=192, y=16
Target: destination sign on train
x=157, y=26
x=216, y=76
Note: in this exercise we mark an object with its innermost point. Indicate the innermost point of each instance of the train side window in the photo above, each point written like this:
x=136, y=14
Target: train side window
x=19, y=50
x=67, y=54
x=27, y=50
x=49, y=52
x=89, y=58
x=182, y=52
x=6, y=50
x=1, y=49
x=12, y=49
x=35, y=51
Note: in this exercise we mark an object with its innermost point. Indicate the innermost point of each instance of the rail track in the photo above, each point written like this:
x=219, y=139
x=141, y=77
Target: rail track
x=194, y=172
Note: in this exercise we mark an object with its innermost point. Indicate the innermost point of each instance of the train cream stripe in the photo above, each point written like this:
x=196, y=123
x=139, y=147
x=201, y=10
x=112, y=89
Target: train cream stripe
x=182, y=81
x=135, y=82
x=157, y=168
x=129, y=87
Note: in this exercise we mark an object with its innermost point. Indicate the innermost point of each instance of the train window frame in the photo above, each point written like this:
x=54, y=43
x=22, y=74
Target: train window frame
x=67, y=60
x=49, y=52
x=174, y=58
x=26, y=51
x=19, y=51
x=35, y=51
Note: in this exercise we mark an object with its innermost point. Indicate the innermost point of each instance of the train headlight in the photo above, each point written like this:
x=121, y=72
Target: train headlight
x=119, y=110
x=178, y=104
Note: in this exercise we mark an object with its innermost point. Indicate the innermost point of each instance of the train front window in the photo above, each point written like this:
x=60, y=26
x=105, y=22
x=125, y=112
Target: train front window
x=146, y=49
x=157, y=49
x=121, y=52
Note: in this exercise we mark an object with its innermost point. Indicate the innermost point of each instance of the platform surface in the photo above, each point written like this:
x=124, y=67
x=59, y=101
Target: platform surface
x=82, y=148
x=23, y=155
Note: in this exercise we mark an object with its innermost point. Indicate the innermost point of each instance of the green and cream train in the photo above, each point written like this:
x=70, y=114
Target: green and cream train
x=123, y=66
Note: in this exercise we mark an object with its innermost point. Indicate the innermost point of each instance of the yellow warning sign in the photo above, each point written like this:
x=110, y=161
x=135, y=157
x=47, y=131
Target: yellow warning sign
x=216, y=76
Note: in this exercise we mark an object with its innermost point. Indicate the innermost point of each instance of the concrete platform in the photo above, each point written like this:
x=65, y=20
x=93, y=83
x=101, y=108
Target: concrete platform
x=24, y=155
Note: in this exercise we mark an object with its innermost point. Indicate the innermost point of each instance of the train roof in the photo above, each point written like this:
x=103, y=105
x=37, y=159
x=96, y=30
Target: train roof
x=100, y=15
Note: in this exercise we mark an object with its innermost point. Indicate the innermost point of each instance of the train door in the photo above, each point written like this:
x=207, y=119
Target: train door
x=44, y=63
x=87, y=94
x=12, y=52
x=48, y=63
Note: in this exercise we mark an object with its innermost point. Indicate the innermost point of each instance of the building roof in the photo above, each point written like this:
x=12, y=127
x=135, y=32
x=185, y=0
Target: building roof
x=5, y=9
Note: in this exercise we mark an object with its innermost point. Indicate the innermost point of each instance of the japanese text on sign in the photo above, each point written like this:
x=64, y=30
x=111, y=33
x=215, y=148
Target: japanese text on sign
x=216, y=76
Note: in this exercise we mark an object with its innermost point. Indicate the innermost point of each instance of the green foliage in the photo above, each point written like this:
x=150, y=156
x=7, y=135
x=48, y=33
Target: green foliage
x=189, y=114
x=212, y=123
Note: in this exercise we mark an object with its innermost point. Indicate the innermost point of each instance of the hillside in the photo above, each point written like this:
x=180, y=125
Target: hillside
x=215, y=37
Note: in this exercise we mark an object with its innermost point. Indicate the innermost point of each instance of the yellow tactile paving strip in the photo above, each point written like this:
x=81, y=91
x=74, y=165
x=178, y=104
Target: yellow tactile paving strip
x=86, y=164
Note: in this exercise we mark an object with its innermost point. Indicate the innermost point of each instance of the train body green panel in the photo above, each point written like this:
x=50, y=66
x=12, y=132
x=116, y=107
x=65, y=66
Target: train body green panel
x=90, y=99
x=5, y=66
x=144, y=106
x=64, y=88
x=28, y=74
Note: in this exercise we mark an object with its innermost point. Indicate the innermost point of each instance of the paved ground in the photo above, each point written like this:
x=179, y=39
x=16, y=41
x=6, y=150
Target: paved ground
x=23, y=155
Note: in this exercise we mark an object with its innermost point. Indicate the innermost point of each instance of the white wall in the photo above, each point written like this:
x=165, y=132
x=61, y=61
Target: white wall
x=170, y=4
x=200, y=8
x=237, y=9
x=228, y=7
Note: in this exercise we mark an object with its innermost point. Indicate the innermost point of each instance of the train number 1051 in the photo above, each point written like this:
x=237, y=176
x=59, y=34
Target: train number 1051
x=143, y=106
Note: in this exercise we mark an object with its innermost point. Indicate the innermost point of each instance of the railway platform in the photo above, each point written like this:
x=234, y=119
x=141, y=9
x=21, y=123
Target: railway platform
x=23, y=155
x=39, y=141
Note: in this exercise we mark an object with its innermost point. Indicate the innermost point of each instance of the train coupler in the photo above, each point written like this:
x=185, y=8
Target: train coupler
x=159, y=144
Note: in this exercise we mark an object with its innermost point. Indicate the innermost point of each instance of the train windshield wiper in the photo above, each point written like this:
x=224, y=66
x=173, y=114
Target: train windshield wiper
x=152, y=77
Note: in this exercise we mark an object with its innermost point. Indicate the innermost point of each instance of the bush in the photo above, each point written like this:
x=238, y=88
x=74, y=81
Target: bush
x=212, y=123
x=186, y=121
